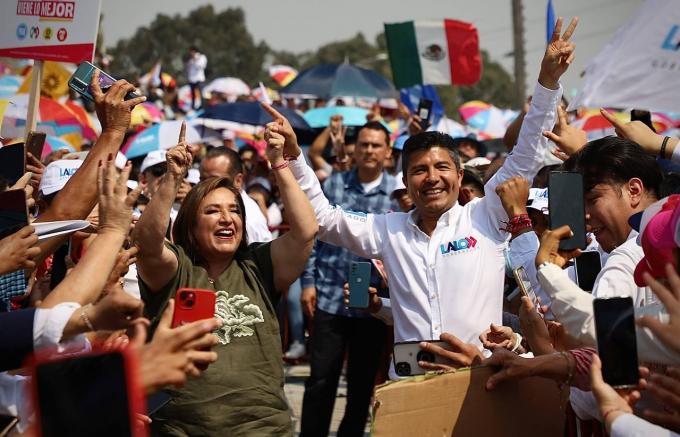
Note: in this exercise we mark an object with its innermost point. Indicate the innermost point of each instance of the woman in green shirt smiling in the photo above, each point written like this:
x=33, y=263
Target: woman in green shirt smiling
x=242, y=393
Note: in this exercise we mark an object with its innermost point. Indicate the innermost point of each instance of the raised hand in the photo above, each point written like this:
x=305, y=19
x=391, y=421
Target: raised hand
x=559, y=54
x=549, y=249
x=179, y=158
x=514, y=193
x=115, y=204
x=275, y=145
x=113, y=111
x=282, y=126
x=569, y=139
x=611, y=403
x=17, y=251
x=640, y=133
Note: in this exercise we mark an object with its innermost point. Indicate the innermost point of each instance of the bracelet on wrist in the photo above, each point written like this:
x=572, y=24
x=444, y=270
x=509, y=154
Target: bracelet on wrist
x=610, y=411
x=85, y=318
x=517, y=223
x=280, y=166
x=664, y=143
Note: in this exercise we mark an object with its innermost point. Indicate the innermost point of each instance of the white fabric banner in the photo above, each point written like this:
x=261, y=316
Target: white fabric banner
x=640, y=67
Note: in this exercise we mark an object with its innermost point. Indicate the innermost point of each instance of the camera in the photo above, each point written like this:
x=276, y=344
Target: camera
x=187, y=299
x=425, y=356
x=403, y=368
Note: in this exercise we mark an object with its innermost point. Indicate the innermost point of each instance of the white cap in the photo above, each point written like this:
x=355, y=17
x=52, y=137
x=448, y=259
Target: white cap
x=400, y=184
x=193, y=176
x=479, y=163
x=120, y=162
x=538, y=199
x=263, y=182
x=57, y=174
x=228, y=135
x=154, y=157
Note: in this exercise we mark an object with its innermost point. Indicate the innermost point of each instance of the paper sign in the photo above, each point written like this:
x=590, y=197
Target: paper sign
x=64, y=31
x=46, y=230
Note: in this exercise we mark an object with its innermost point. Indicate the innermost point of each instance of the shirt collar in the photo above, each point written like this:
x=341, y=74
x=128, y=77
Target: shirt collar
x=354, y=182
x=448, y=218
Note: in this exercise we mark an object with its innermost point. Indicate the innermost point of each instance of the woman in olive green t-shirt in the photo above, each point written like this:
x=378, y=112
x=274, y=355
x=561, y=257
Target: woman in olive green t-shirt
x=242, y=393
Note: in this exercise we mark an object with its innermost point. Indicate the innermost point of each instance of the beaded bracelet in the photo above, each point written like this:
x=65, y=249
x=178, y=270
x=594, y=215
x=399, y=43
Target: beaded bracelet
x=517, y=223
x=85, y=319
x=281, y=166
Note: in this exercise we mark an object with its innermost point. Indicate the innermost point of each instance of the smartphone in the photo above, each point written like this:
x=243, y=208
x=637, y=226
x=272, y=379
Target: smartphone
x=425, y=112
x=566, y=207
x=81, y=79
x=12, y=163
x=643, y=116
x=616, y=344
x=192, y=304
x=525, y=287
x=35, y=142
x=407, y=354
x=359, y=280
x=95, y=394
x=7, y=424
x=13, y=212
x=587, y=266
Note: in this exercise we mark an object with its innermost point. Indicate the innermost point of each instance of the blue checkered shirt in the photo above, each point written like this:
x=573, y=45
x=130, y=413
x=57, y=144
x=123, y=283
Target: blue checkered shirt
x=328, y=267
x=12, y=285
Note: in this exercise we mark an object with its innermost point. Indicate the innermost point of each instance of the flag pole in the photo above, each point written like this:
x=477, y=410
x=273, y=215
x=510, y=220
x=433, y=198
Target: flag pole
x=34, y=96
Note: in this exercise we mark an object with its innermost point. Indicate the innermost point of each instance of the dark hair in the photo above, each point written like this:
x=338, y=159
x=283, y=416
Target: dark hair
x=614, y=161
x=670, y=185
x=376, y=125
x=187, y=217
x=541, y=178
x=472, y=177
x=247, y=148
x=235, y=162
x=425, y=141
x=193, y=49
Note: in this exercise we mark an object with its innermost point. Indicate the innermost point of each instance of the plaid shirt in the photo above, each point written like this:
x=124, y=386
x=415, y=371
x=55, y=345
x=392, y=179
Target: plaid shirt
x=328, y=267
x=12, y=286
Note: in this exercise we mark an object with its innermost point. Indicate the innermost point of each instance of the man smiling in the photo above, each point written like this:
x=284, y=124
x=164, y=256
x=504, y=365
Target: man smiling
x=457, y=290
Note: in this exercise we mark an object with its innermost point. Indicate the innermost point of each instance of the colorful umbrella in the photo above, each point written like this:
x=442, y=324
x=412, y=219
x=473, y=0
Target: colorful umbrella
x=282, y=74
x=490, y=121
x=89, y=130
x=320, y=117
x=159, y=136
x=9, y=85
x=253, y=114
x=50, y=109
x=340, y=80
x=232, y=87
x=145, y=114
x=16, y=128
x=53, y=144
x=662, y=122
x=595, y=125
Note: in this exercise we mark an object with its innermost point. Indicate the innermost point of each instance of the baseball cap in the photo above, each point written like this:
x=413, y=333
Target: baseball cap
x=659, y=227
x=57, y=174
x=193, y=176
x=120, y=161
x=152, y=158
x=538, y=199
x=399, y=186
x=478, y=163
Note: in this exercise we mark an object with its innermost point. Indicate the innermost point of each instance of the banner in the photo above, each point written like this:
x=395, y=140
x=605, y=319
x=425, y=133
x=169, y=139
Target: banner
x=49, y=30
x=640, y=66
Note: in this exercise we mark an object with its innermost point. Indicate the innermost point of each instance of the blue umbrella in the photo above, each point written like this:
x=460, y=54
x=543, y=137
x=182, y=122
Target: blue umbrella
x=340, y=80
x=351, y=116
x=252, y=113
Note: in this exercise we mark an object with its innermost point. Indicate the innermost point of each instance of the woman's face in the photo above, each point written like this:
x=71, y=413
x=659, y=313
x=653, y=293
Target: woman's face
x=219, y=225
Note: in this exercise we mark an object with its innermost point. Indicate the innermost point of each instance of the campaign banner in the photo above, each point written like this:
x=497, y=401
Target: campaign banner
x=640, y=66
x=49, y=30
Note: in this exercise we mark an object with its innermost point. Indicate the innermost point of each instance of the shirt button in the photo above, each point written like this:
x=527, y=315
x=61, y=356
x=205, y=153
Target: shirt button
x=432, y=296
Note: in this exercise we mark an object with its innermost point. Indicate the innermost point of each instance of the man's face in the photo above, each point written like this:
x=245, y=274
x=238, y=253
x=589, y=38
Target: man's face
x=218, y=166
x=432, y=180
x=151, y=179
x=371, y=150
x=608, y=209
x=467, y=149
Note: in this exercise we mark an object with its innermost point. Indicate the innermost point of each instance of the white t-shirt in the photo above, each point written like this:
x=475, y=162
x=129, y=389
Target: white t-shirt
x=256, y=223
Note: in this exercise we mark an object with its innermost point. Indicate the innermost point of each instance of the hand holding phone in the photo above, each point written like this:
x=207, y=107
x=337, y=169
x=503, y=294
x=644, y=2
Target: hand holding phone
x=424, y=113
x=616, y=341
x=193, y=304
x=566, y=206
x=359, y=281
x=525, y=287
x=587, y=266
x=407, y=354
x=81, y=80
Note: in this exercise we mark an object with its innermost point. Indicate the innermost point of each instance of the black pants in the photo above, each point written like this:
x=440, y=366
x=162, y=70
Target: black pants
x=196, y=102
x=365, y=340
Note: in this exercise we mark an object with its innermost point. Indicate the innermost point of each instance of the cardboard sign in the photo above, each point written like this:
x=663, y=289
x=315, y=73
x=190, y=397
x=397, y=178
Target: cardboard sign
x=49, y=30
x=457, y=404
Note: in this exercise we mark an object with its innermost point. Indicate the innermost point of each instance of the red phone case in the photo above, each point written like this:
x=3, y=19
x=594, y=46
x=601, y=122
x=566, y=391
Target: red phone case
x=192, y=304
x=135, y=394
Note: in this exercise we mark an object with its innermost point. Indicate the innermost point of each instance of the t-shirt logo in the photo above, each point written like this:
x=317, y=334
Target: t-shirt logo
x=458, y=245
x=237, y=316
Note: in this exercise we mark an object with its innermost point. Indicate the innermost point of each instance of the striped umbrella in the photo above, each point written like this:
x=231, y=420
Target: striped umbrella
x=145, y=114
x=53, y=144
x=490, y=121
x=161, y=136
x=9, y=85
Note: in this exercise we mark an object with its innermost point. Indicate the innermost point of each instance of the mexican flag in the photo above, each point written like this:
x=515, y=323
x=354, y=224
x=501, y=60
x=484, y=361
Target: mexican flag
x=433, y=52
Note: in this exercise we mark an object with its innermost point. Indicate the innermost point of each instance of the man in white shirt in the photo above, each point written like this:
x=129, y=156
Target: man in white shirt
x=195, y=70
x=224, y=162
x=444, y=261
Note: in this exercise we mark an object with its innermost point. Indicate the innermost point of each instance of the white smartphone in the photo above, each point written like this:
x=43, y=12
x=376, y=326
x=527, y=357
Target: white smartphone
x=407, y=354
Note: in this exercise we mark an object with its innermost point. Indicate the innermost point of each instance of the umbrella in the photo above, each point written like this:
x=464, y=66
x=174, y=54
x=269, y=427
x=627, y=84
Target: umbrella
x=490, y=121
x=88, y=128
x=146, y=113
x=163, y=135
x=340, y=80
x=320, y=117
x=282, y=74
x=53, y=144
x=16, y=128
x=451, y=127
x=184, y=98
x=231, y=86
x=253, y=114
x=595, y=125
x=9, y=85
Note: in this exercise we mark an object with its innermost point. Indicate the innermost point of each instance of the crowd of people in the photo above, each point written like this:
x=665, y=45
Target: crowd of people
x=273, y=237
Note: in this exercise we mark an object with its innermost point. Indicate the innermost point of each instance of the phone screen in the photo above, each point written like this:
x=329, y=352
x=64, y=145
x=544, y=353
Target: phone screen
x=35, y=142
x=81, y=79
x=12, y=163
x=13, y=213
x=587, y=267
x=524, y=284
x=566, y=206
x=616, y=344
x=359, y=280
x=424, y=112
x=84, y=396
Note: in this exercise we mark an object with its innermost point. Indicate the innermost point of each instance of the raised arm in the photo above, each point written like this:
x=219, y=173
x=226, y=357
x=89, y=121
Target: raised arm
x=290, y=252
x=316, y=149
x=87, y=280
x=356, y=231
x=79, y=195
x=156, y=264
x=527, y=157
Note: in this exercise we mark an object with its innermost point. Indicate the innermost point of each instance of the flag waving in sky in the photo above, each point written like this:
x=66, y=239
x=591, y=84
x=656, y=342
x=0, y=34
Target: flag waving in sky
x=433, y=52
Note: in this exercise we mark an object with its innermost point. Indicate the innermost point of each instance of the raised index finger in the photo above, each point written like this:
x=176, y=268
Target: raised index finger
x=273, y=112
x=611, y=118
x=570, y=29
x=182, y=132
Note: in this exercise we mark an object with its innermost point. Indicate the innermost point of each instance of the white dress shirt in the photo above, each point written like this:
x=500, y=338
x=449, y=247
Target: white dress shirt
x=629, y=425
x=451, y=281
x=196, y=68
x=256, y=223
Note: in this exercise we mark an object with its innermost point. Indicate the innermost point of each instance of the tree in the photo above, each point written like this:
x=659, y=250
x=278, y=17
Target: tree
x=223, y=37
